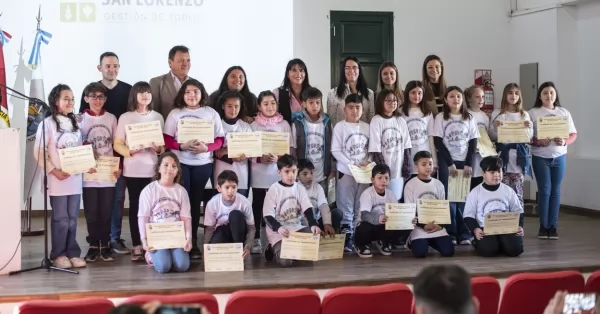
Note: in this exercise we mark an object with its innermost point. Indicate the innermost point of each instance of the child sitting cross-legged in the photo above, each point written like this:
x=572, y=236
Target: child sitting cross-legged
x=285, y=203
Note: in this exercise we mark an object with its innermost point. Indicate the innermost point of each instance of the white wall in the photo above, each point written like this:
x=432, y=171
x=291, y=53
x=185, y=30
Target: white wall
x=531, y=4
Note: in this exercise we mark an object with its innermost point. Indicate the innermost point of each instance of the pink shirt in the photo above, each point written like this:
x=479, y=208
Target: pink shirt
x=295, y=104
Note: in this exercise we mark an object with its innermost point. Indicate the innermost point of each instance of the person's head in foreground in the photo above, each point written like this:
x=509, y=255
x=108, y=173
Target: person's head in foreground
x=444, y=289
x=492, y=170
x=287, y=167
x=227, y=185
x=380, y=177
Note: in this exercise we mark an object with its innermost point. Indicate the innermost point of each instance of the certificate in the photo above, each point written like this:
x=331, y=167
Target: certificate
x=105, y=169
x=78, y=159
x=196, y=129
x=513, y=132
x=143, y=135
x=331, y=247
x=247, y=143
x=165, y=235
x=501, y=223
x=433, y=210
x=223, y=257
x=275, y=143
x=553, y=127
x=362, y=174
x=459, y=187
x=300, y=246
x=485, y=145
x=400, y=216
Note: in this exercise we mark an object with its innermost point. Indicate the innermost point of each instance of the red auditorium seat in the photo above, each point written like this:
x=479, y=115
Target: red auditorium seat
x=87, y=306
x=395, y=298
x=204, y=298
x=487, y=291
x=593, y=283
x=531, y=292
x=290, y=301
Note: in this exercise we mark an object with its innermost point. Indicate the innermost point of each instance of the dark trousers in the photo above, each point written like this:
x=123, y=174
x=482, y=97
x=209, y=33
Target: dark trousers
x=443, y=244
x=458, y=229
x=97, y=207
x=234, y=232
x=135, y=187
x=117, y=209
x=258, y=200
x=505, y=244
x=475, y=181
x=336, y=220
x=194, y=182
x=366, y=233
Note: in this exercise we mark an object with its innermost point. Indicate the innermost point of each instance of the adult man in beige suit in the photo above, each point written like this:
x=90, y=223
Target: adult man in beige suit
x=165, y=87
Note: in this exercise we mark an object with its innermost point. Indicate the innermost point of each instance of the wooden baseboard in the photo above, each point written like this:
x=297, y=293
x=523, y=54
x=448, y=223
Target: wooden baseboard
x=530, y=210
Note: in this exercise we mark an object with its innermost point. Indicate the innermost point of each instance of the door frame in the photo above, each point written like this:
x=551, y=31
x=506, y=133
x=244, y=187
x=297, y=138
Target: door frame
x=338, y=16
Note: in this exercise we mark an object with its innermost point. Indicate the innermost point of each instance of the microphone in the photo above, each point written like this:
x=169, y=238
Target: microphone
x=31, y=99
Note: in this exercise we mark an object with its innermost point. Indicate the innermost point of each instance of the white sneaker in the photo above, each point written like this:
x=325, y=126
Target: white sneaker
x=465, y=242
x=77, y=262
x=62, y=262
x=256, y=247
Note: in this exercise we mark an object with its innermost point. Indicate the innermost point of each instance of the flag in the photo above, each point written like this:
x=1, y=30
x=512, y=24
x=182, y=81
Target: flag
x=4, y=119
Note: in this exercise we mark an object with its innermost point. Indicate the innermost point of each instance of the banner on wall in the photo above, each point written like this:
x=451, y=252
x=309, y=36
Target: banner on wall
x=483, y=77
x=4, y=119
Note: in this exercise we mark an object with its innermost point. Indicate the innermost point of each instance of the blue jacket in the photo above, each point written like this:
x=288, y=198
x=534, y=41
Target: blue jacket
x=300, y=119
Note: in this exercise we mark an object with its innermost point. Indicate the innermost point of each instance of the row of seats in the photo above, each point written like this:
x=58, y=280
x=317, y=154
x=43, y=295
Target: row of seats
x=523, y=293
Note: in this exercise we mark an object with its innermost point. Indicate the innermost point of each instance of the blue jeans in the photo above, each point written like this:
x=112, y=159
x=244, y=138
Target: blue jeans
x=549, y=173
x=65, y=211
x=166, y=260
x=194, y=182
x=116, y=217
x=457, y=229
x=443, y=244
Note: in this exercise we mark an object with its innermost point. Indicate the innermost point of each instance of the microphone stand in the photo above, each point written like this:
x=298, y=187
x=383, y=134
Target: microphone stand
x=46, y=263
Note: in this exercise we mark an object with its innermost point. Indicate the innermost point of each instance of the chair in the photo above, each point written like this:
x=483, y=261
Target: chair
x=87, y=306
x=290, y=301
x=487, y=291
x=593, y=283
x=531, y=292
x=204, y=298
x=395, y=298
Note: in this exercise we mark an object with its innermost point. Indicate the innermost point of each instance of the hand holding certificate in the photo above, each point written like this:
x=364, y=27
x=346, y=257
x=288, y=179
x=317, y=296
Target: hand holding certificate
x=300, y=246
x=362, y=174
x=223, y=257
x=195, y=129
x=106, y=167
x=485, y=145
x=165, y=235
x=501, y=223
x=144, y=135
x=437, y=211
x=513, y=132
x=552, y=127
x=400, y=216
x=244, y=143
x=459, y=187
x=78, y=159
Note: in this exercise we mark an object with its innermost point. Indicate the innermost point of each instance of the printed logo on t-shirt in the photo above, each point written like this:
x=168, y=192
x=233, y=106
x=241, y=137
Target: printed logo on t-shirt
x=355, y=147
x=456, y=134
x=100, y=137
x=289, y=211
x=418, y=131
x=378, y=208
x=481, y=125
x=165, y=209
x=427, y=195
x=315, y=145
x=68, y=139
x=390, y=139
x=495, y=205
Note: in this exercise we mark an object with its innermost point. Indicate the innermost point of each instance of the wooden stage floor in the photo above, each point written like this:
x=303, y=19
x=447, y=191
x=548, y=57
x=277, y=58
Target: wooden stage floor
x=577, y=249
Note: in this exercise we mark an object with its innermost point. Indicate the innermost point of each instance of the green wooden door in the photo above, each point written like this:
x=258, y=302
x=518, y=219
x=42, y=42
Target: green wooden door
x=369, y=36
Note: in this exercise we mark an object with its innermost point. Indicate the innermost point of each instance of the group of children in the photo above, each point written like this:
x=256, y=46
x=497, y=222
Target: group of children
x=407, y=143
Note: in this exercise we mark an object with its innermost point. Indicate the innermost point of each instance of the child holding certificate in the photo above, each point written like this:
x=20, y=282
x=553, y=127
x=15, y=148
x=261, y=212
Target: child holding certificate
x=311, y=137
x=372, y=216
x=474, y=99
x=490, y=197
x=61, y=131
x=285, y=203
x=165, y=200
x=549, y=158
x=389, y=140
x=264, y=168
x=350, y=146
x=455, y=135
x=196, y=155
x=329, y=219
x=138, y=162
x=228, y=216
x=425, y=187
x=514, y=155
x=232, y=111
x=98, y=127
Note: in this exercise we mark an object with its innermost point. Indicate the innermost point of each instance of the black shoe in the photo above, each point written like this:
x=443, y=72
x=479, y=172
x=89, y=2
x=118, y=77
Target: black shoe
x=119, y=247
x=106, y=255
x=269, y=254
x=552, y=234
x=543, y=233
x=363, y=251
x=195, y=252
x=384, y=248
x=349, y=244
x=92, y=254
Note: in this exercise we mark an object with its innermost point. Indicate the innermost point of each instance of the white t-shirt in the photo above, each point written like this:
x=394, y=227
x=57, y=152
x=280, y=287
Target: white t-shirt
x=164, y=204
x=140, y=165
x=286, y=204
x=240, y=168
x=456, y=134
x=99, y=130
x=317, y=198
x=420, y=129
x=512, y=166
x=315, y=142
x=264, y=175
x=552, y=150
x=56, y=140
x=374, y=203
x=416, y=189
x=350, y=144
x=481, y=202
x=390, y=137
x=205, y=113
x=217, y=213
x=483, y=122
